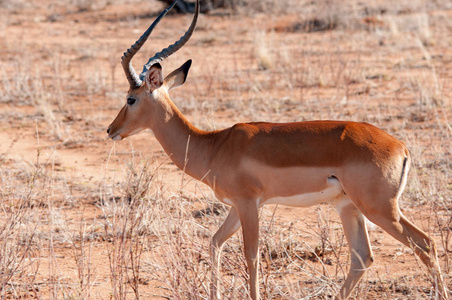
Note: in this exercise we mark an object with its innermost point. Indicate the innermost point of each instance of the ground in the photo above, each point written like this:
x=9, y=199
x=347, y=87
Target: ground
x=88, y=218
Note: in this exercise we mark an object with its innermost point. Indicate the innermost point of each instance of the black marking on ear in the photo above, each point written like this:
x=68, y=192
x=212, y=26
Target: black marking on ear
x=156, y=65
x=185, y=67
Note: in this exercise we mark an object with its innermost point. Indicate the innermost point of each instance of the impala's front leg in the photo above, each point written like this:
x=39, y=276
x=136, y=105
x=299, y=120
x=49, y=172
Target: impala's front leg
x=230, y=226
x=249, y=218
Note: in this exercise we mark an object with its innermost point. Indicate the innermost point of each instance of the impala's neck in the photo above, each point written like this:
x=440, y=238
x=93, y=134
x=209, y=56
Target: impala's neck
x=187, y=146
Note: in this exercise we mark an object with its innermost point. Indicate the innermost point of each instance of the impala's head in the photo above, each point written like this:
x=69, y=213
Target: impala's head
x=149, y=86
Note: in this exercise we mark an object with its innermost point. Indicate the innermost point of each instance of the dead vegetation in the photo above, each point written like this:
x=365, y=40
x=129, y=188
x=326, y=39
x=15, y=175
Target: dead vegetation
x=83, y=218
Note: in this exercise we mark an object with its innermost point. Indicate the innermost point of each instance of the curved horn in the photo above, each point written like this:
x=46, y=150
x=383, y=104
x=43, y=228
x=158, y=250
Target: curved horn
x=160, y=56
x=126, y=59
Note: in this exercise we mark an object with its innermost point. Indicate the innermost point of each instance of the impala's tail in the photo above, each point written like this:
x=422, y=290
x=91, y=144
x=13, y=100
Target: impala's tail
x=405, y=169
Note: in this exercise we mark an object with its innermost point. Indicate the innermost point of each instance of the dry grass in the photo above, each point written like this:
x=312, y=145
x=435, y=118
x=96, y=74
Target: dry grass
x=83, y=220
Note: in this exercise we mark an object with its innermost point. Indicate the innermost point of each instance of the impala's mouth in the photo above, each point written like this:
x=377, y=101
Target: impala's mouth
x=115, y=137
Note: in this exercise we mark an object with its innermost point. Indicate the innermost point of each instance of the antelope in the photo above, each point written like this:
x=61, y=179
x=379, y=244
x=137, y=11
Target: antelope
x=360, y=169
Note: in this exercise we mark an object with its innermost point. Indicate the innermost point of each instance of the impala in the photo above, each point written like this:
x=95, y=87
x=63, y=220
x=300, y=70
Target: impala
x=359, y=168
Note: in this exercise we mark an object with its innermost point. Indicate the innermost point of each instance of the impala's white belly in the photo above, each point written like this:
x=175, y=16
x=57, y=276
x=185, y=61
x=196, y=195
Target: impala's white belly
x=333, y=190
x=294, y=186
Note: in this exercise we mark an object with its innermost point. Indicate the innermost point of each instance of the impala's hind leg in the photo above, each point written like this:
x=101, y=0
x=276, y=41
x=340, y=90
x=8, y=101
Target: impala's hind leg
x=381, y=208
x=355, y=230
x=377, y=195
x=423, y=245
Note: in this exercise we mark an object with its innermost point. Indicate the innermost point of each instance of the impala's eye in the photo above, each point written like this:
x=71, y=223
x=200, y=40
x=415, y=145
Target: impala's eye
x=131, y=101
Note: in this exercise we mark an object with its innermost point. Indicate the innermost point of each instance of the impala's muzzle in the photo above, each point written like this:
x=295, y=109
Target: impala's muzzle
x=114, y=135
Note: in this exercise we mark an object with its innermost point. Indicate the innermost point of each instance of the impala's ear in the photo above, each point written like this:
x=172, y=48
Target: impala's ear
x=154, y=77
x=178, y=76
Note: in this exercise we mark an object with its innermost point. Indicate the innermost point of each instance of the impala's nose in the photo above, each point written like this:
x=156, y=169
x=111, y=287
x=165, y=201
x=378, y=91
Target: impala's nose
x=108, y=131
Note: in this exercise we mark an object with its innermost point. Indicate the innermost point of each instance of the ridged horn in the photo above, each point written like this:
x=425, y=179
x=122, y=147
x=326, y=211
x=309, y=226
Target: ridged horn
x=160, y=56
x=126, y=59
